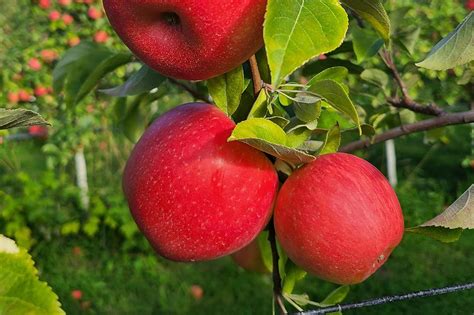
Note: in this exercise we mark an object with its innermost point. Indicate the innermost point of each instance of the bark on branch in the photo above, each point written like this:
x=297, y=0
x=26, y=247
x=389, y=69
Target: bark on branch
x=428, y=124
x=406, y=101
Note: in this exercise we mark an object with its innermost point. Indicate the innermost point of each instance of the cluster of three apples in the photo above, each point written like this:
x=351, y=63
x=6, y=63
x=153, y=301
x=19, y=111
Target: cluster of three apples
x=196, y=196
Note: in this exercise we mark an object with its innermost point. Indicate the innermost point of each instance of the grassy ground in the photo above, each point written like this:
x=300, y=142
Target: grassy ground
x=116, y=283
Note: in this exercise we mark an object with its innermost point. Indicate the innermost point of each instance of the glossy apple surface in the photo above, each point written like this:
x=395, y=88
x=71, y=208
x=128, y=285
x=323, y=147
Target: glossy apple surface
x=194, y=195
x=250, y=258
x=189, y=39
x=338, y=218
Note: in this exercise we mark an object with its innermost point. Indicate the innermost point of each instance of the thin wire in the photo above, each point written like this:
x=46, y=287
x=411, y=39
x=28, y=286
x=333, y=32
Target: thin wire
x=389, y=299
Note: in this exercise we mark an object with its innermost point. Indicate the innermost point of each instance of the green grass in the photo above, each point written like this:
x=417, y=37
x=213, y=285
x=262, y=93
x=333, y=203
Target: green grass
x=119, y=283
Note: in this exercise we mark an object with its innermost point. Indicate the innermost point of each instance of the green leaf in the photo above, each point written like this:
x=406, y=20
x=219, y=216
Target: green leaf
x=82, y=67
x=334, y=93
x=319, y=65
x=293, y=275
x=441, y=234
x=455, y=49
x=373, y=12
x=259, y=108
x=333, y=140
x=70, y=59
x=336, y=296
x=448, y=225
x=366, y=43
x=411, y=39
x=13, y=118
x=329, y=117
x=376, y=77
x=226, y=90
x=142, y=81
x=298, y=30
x=259, y=128
x=280, y=121
x=134, y=114
x=458, y=215
x=337, y=73
x=265, y=250
x=106, y=66
x=307, y=112
x=268, y=137
x=298, y=136
x=21, y=292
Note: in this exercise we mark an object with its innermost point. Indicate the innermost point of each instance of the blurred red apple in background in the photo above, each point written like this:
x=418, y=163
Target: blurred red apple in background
x=250, y=258
x=469, y=5
x=194, y=195
x=76, y=294
x=338, y=218
x=39, y=132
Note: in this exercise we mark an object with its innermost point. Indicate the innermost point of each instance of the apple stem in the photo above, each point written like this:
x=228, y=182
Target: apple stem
x=256, y=77
x=277, y=289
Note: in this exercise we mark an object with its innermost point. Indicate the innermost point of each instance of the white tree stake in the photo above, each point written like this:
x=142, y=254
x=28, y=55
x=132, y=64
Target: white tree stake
x=391, y=162
x=81, y=172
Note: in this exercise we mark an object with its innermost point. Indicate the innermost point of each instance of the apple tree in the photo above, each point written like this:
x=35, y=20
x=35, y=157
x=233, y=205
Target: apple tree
x=257, y=166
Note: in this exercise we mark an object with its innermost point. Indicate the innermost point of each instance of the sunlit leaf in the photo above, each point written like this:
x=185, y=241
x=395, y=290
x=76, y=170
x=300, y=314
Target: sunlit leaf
x=21, y=292
x=455, y=49
x=12, y=118
x=448, y=225
x=335, y=95
x=297, y=30
x=333, y=140
x=268, y=137
x=226, y=90
x=374, y=13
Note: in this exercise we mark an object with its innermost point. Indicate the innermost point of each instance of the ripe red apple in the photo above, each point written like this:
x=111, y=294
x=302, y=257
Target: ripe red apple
x=76, y=294
x=469, y=5
x=250, y=258
x=38, y=131
x=338, y=218
x=194, y=195
x=189, y=39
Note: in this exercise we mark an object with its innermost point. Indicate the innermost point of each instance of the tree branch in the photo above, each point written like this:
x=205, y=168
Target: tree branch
x=256, y=77
x=196, y=94
x=428, y=124
x=429, y=109
x=277, y=290
x=406, y=101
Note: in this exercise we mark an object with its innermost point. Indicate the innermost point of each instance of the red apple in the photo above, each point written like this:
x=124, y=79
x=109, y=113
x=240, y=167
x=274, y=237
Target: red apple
x=194, y=195
x=338, y=218
x=250, y=258
x=101, y=36
x=189, y=39
x=38, y=131
x=196, y=291
x=469, y=5
x=76, y=294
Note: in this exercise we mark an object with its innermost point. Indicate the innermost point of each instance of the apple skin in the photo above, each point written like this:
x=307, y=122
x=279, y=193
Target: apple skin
x=189, y=39
x=338, y=218
x=250, y=258
x=194, y=195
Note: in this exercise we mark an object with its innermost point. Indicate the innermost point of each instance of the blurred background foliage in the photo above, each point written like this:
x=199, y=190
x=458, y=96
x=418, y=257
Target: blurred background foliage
x=98, y=249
